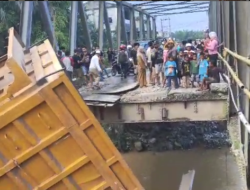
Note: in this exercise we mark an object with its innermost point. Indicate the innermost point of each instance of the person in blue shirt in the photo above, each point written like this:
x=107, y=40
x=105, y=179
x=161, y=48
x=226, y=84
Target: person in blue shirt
x=203, y=66
x=171, y=72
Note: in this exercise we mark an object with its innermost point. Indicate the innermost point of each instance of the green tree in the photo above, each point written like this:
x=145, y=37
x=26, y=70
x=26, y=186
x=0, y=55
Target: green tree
x=10, y=16
x=187, y=34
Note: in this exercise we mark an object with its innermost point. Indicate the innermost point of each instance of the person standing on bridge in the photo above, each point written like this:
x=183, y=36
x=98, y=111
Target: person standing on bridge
x=212, y=47
x=142, y=62
x=171, y=72
x=95, y=69
x=134, y=55
x=149, y=54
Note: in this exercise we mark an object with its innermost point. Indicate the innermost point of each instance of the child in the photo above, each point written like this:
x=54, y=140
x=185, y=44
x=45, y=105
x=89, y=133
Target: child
x=171, y=72
x=189, y=51
x=213, y=75
x=207, y=56
x=180, y=59
x=186, y=71
x=203, y=65
x=194, y=67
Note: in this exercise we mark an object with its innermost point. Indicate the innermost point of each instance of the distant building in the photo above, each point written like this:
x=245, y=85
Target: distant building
x=92, y=13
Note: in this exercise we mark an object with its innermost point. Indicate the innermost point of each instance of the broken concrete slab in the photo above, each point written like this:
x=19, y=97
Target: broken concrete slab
x=159, y=94
x=219, y=87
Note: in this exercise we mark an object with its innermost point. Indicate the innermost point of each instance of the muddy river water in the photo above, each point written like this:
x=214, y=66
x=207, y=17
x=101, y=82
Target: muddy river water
x=215, y=169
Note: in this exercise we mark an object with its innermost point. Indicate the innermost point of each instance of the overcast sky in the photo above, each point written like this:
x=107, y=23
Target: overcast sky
x=190, y=21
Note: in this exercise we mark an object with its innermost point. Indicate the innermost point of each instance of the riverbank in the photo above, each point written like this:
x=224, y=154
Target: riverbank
x=160, y=137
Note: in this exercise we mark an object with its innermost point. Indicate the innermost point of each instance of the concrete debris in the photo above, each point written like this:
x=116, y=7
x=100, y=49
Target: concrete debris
x=138, y=146
x=219, y=87
x=160, y=94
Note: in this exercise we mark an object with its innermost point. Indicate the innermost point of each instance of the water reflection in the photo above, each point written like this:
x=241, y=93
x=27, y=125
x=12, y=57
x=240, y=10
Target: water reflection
x=215, y=169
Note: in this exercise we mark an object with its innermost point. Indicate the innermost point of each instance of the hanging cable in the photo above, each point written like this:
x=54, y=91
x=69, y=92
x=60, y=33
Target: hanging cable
x=239, y=112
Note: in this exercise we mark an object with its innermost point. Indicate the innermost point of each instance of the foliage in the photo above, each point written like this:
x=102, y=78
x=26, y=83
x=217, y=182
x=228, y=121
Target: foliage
x=187, y=34
x=60, y=11
x=9, y=17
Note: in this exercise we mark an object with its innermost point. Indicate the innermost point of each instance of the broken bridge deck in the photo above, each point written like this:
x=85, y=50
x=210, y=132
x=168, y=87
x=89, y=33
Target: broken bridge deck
x=156, y=104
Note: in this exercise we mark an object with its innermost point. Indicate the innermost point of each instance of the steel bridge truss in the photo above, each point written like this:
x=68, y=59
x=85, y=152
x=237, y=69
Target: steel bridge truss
x=147, y=16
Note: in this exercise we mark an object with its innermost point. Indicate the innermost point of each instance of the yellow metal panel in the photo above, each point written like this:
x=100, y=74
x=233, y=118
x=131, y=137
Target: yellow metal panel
x=49, y=138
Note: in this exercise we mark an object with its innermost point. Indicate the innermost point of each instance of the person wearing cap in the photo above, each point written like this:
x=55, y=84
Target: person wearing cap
x=189, y=51
x=95, y=69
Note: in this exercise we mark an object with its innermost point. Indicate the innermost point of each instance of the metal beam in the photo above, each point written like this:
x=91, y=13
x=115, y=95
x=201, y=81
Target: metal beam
x=85, y=25
x=73, y=26
x=148, y=28
x=154, y=28
x=168, y=5
x=167, y=112
x=118, y=26
x=185, y=12
x=100, y=24
x=133, y=31
x=191, y=8
x=141, y=24
x=135, y=8
x=123, y=27
x=47, y=23
x=108, y=31
x=26, y=22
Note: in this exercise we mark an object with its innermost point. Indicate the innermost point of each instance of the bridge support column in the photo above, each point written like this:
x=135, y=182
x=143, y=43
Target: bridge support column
x=73, y=26
x=100, y=24
x=108, y=31
x=133, y=31
x=85, y=25
x=142, y=31
x=26, y=22
x=154, y=28
x=118, y=27
x=149, y=36
x=47, y=23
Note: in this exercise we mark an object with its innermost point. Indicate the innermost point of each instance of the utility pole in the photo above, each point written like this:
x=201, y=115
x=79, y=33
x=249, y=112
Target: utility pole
x=169, y=26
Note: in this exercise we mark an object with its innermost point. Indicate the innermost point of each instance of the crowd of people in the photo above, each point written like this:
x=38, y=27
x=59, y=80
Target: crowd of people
x=189, y=64
x=84, y=65
x=192, y=63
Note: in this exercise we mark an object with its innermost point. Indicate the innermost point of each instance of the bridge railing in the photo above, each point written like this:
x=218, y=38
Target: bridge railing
x=242, y=87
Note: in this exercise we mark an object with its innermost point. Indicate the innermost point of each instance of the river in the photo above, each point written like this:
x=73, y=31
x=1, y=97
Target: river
x=215, y=169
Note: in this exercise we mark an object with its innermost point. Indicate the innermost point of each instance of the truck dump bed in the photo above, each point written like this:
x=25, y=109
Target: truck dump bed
x=49, y=139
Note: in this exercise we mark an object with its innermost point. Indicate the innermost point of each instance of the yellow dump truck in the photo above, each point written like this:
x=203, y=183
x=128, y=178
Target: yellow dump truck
x=49, y=139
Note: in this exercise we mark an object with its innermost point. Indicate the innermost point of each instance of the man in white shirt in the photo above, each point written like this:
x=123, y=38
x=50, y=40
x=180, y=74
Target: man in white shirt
x=95, y=69
x=67, y=63
x=149, y=60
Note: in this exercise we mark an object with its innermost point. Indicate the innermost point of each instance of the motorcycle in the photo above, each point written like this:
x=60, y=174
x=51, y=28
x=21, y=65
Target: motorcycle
x=116, y=68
